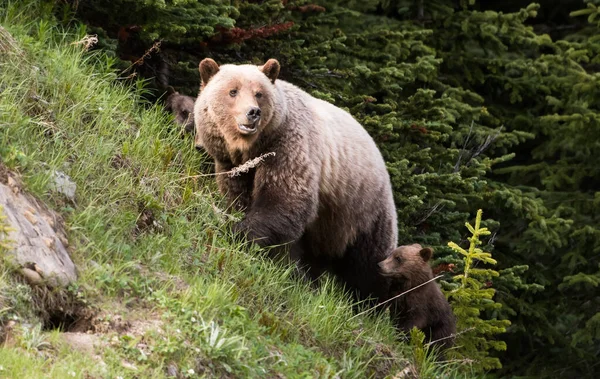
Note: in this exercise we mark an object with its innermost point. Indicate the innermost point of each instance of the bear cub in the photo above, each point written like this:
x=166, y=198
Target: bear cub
x=182, y=107
x=425, y=307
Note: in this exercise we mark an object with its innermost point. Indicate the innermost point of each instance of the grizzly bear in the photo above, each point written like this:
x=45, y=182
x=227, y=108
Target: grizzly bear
x=182, y=107
x=424, y=307
x=325, y=193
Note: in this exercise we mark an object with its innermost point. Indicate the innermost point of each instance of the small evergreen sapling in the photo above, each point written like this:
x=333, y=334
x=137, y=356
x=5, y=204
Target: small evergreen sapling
x=472, y=297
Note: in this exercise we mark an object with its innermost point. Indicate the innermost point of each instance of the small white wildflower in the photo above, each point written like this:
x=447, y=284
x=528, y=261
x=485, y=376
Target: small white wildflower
x=100, y=108
x=1, y=368
x=119, y=377
x=178, y=331
x=193, y=319
x=197, y=349
x=72, y=373
x=191, y=371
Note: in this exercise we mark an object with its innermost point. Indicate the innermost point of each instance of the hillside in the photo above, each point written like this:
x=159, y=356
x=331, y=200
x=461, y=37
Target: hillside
x=163, y=289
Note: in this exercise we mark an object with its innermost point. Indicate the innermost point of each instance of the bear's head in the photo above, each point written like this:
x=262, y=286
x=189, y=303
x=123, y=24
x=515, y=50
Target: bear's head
x=242, y=101
x=182, y=107
x=409, y=263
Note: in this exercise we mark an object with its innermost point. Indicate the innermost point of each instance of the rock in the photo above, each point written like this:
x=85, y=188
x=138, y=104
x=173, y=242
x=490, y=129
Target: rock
x=62, y=183
x=86, y=343
x=32, y=277
x=36, y=244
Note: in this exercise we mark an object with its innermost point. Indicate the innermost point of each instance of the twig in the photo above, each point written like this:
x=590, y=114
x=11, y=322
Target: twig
x=431, y=211
x=146, y=55
x=235, y=171
x=457, y=165
x=395, y=297
x=486, y=144
x=450, y=336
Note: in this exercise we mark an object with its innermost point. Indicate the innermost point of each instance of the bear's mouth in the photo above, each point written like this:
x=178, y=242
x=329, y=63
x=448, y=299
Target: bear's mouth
x=383, y=269
x=248, y=129
x=382, y=272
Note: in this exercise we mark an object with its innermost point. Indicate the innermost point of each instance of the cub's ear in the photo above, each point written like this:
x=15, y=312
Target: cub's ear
x=208, y=68
x=426, y=253
x=170, y=90
x=271, y=69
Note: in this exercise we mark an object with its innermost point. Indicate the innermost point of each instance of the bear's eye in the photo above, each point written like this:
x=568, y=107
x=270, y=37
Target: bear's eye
x=398, y=259
x=258, y=95
x=233, y=92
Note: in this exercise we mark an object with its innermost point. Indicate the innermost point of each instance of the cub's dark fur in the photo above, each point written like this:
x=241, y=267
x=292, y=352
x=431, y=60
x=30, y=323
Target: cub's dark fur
x=182, y=107
x=425, y=307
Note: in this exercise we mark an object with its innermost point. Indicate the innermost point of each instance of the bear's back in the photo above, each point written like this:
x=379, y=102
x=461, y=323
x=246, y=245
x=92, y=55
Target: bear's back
x=354, y=185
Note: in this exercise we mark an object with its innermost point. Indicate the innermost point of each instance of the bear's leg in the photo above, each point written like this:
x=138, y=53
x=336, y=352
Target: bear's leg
x=358, y=268
x=443, y=333
x=309, y=267
x=359, y=273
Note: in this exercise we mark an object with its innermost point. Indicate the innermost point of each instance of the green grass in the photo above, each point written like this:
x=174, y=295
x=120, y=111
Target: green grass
x=153, y=249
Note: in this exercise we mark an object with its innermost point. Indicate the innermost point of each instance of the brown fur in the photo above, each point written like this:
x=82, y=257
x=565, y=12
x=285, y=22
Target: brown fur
x=425, y=307
x=326, y=193
x=182, y=107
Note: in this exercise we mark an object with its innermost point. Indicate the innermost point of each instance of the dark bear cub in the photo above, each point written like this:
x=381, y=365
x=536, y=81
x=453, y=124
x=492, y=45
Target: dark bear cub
x=425, y=307
x=182, y=107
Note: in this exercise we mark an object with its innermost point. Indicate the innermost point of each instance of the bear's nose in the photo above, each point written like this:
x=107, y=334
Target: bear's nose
x=253, y=114
x=199, y=148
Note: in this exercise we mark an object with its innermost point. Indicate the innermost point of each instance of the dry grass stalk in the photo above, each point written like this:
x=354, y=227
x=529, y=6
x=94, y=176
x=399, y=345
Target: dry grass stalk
x=248, y=165
x=87, y=41
x=236, y=170
x=8, y=44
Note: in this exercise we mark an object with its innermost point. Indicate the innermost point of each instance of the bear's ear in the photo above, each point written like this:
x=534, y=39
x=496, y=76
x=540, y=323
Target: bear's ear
x=271, y=69
x=426, y=253
x=208, y=68
x=170, y=90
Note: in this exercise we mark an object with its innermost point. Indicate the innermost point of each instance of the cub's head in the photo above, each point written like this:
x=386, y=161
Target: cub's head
x=408, y=263
x=241, y=100
x=182, y=107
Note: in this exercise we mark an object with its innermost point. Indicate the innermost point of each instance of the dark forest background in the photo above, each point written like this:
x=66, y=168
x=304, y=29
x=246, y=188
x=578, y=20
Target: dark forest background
x=474, y=104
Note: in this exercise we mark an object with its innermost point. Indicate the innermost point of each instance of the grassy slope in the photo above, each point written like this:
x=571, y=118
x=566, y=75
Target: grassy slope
x=150, y=246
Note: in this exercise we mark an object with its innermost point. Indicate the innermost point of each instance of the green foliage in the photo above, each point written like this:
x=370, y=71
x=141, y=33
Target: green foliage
x=473, y=297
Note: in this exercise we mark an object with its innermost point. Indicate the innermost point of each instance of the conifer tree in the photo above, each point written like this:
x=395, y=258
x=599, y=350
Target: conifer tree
x=472, y=296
